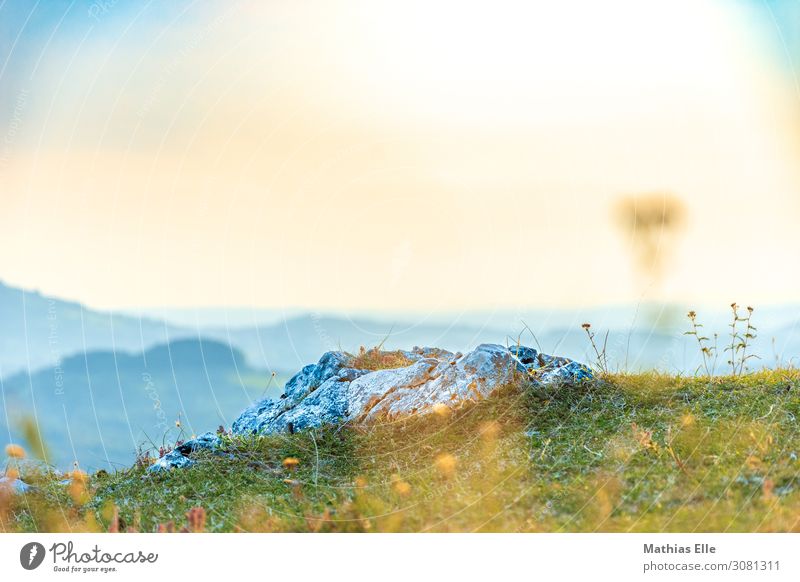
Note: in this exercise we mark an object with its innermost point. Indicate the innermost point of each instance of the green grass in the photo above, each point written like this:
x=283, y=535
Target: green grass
x=645, y=452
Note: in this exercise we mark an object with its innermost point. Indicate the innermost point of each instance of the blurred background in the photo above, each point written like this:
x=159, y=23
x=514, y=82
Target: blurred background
x=198, y=198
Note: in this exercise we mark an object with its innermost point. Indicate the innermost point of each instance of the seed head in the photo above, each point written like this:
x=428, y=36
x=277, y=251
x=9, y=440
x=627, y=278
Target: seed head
x=402, y=488
x=446, y=464
x=15, y=451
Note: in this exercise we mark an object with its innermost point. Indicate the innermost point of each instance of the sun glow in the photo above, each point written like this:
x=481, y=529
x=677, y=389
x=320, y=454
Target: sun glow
x=397, y=150
x=512, y=62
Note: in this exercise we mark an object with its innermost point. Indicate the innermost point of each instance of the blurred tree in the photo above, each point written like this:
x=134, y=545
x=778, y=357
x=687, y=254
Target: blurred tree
x=652, y=223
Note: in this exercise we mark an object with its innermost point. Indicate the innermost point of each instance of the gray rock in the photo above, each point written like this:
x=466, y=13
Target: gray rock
x=332, y=392
x=172, y=460
x=178, y=458
x=17, y=485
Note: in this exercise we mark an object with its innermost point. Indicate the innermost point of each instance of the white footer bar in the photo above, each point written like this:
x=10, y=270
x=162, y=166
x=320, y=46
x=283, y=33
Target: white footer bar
x=369, y=557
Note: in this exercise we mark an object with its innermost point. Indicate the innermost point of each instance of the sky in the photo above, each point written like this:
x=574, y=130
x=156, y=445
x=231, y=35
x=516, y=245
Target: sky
x=397, y=155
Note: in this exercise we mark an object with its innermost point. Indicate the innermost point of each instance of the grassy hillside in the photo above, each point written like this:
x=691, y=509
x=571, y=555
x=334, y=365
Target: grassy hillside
x=628, y=453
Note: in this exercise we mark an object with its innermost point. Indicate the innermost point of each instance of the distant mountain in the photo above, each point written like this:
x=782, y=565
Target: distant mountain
x=297, y=341
x=37, y=330
x=99, y=407
x=290, y=344
x=640, y=337
x=198, y=318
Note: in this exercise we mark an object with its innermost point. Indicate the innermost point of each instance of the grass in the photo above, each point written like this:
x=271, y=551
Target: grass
x=376, y=359
x=644, y=452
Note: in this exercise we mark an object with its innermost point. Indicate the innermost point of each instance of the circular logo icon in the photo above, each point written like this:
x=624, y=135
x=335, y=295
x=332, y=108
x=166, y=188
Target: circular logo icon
x=31, y=555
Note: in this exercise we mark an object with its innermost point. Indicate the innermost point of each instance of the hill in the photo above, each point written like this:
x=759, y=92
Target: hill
x=37, y=330
x=99, y=407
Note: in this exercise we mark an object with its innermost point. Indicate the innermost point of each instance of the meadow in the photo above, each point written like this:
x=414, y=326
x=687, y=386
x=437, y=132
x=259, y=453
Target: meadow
x=624, y=453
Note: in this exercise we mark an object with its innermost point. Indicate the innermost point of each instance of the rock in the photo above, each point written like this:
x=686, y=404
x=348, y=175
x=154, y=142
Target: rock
x=207, y=440
x=178, y=458
x=16, y=485
x=332, y=392
x=172, y=460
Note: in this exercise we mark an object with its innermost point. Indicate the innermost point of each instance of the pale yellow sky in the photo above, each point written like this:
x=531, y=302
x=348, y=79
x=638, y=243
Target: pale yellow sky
x=406, y=155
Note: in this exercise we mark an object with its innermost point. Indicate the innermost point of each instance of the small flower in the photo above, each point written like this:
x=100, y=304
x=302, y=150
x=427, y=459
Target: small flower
x=15, y=451
x=12, y=474
x=586, y=325
x=177, y=424
x=291, y=463
x=402, y=488
x=692, y=315
x=446, y=464
x=79, y=476
x=750, y=309
x=77, y=487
